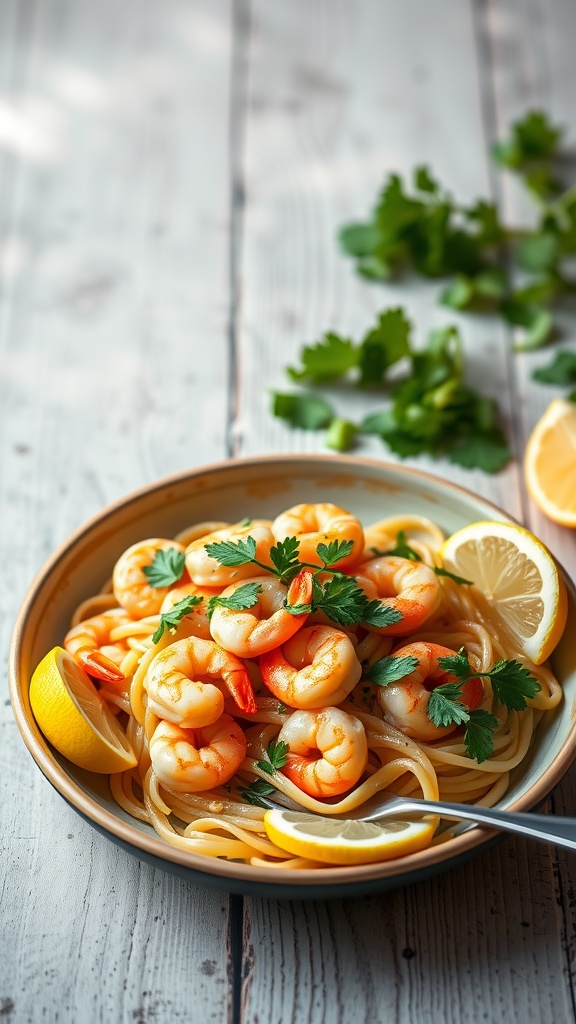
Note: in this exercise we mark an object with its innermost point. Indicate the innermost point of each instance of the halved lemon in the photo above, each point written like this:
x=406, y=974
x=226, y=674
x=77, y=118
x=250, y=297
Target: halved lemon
x=550, y=462
x=333, y=841
x=518, y=577
x=74, y=718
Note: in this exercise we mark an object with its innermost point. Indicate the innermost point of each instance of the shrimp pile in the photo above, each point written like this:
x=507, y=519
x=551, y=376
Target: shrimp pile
x=234, y=679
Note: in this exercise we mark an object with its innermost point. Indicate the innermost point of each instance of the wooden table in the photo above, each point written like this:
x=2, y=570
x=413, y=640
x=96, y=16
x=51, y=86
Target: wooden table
x=172, y=176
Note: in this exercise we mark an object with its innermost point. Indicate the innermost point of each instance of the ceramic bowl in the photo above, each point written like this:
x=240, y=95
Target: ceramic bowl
x=261, y=487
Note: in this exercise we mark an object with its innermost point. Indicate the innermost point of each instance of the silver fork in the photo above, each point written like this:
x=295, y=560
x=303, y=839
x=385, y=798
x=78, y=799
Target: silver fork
x=551, y=829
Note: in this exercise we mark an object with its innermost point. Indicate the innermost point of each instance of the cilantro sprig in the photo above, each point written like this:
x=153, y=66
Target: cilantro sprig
x=167, y=568
x=170, y=619
x=512, y=684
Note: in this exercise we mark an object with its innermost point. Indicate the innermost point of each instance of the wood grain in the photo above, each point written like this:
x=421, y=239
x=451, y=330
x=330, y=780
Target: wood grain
x=172, y=178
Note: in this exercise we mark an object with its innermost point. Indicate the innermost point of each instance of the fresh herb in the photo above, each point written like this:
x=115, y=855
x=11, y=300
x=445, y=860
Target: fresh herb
x=166, y=568
x=338, y=596
x=512, y=685
x=561, y=370
x=427, y=231
x=281, y=708
x=390, y=669
x=170, y=619
x=452, y=576
x=277, y=752
x=245, y=596
x=310, y=412
x=432, y=410
x=402, y=549
x=253, y=793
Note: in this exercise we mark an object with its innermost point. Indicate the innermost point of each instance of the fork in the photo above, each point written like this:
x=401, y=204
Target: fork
x=549, y=828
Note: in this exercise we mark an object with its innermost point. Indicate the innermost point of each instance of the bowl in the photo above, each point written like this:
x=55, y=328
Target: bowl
x=261, y=487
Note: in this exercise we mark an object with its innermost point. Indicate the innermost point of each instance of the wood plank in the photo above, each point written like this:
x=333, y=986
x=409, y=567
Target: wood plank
x=114, y=307
x=334, y=103
x=533, y=66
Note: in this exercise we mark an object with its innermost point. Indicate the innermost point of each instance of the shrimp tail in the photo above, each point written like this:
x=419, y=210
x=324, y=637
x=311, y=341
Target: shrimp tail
x=300, y=591
x=240, y=686
x=98, y=665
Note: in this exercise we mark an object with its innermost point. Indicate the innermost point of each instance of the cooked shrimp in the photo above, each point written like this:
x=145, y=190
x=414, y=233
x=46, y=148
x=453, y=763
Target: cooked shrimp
x=267, y=623
x=411, y=588
x=89, y=643
x=131, y=588
x=194, y=760
x=405, y=703
x=207, y=571
x=317, y=524
x=196, y=622
x=177, y=687
x=328, y=751
x=316, y=667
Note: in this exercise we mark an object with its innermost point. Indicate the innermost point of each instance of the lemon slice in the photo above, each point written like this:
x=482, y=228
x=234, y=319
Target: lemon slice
x=519, y=578
x=345, y=842
x=550, y=462
x=74, y=719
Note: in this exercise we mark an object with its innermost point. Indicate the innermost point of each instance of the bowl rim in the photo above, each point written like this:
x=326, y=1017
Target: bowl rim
x=404, y=869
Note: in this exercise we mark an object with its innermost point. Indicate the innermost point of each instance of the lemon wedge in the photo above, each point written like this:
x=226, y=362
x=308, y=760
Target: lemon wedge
x=341, y=842
x=519, y=578
x=74, y=719
x=550, y=463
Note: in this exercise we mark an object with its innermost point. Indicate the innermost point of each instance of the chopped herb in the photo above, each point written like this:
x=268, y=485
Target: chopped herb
x=391, y=669
x=166, y=568
x=253, y=793
x=452, y=576
x=305, y=410
x=402, y=549
x=278, y=752
x=245, y=596
x=334, y=552
x=170, y=619
x=281, y=708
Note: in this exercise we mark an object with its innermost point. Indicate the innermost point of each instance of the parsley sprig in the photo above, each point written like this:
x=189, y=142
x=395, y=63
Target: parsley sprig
x=166, y=568
x=403, y=550
x=512, y=684
x=277, y=756
x=429, y=410
x=338, y=595
x=170, y=619
x=243, y=597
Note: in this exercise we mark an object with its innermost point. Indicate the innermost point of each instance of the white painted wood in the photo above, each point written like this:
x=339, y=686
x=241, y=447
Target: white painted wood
x=337, y=98
x=125, y=279
x=114, y=305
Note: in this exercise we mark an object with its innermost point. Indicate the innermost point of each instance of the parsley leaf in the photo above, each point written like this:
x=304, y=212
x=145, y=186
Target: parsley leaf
x=402, y=549
x=562, y=369
x=166, y=568
x=253, y=793
x=478, y=734
x=310, y=412
x=332, y=357
x=342, y=600
x=278, y=753
x=512, y=684
x=390, y=669
x=170, y=619
x=445, y=707
x=334, y=552
x=456, y=664
x=284, y=556
x=378, y=614
x=384, y=345
x=452, y=576
x=232, y=553
x=243, y=597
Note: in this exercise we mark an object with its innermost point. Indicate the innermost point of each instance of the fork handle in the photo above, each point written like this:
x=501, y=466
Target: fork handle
x=551, y=829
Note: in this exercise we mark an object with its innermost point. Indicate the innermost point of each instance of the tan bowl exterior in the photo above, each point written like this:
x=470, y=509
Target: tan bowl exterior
x=261, y=487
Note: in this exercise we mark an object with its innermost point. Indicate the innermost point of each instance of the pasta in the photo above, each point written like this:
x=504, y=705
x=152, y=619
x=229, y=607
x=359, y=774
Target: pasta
x=235, y=679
